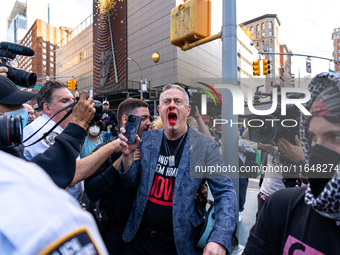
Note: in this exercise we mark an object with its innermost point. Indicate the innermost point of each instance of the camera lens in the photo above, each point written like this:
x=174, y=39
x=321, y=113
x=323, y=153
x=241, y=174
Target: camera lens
x=11, y=130
x=22, y=78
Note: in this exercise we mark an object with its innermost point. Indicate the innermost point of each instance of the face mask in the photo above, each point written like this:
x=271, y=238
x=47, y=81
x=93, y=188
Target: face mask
x=323, y=161
x=22, y=112
x=94, y=130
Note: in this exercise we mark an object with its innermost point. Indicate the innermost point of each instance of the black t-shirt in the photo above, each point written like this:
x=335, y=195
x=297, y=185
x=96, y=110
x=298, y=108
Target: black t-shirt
x=287, y=225
x=158, y=211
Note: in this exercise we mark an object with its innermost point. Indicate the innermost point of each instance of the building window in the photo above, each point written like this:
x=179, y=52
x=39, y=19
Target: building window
x=44, y=62
x=270, y=41
x=252, y=29
x=44, y=38
x=52, y=47
x=52, y=59
x=270, y=33
x=51, y=53
x=44, y=26
x=263, y=34
x=338, y=58
x=262, y=26
x=270, y=24
x=44, y=68
x=44, y=56
x=52, y=65
x=338, y=51
x=270, y=58
x=44, y=44
x=271, y=75
x=258, y=35
x=44, y=50
x=257, y=28
x=270, y=49
x=257, y=44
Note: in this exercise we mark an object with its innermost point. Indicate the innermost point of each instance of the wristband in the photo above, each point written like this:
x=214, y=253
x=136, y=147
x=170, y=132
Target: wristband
x=197, y=117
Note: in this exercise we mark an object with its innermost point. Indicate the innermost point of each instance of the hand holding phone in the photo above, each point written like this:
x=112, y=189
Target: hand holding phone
x=132, y=127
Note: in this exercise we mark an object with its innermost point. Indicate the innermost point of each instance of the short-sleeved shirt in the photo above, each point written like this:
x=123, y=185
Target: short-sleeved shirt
x=38, y=216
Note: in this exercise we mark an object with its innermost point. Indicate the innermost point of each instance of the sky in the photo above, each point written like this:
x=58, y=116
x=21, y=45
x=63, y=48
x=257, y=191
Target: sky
x=306, y=25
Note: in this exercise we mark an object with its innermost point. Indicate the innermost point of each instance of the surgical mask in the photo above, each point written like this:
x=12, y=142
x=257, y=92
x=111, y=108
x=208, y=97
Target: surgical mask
x=94, y=130
x=22, y=112
x=323, y=163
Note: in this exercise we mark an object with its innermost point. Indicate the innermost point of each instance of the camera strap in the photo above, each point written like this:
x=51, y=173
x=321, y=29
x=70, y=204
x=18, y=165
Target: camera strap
x=57, y=124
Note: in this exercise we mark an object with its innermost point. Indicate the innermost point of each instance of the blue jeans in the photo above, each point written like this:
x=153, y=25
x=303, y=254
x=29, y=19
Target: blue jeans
x=243, y=185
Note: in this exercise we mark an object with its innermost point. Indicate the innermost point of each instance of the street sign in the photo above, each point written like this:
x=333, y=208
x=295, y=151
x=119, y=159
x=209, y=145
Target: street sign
x=308, y=67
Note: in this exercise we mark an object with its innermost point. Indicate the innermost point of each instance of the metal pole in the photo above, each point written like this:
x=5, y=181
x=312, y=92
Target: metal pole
x=141, y=77
x=229, y=75
x=113, y=50
x=299, y=55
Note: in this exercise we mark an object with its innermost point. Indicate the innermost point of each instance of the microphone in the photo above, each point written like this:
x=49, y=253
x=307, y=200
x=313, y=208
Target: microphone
x=16, y=49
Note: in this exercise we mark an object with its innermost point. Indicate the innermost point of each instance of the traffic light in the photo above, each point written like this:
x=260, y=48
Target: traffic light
x=75, y=86
x=72, y=85
x=256, y=68
x=266, y=67
x=69, y=85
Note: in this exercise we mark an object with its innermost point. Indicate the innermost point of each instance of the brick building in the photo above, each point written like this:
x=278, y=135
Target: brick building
x=265, y=33
x=43, y=38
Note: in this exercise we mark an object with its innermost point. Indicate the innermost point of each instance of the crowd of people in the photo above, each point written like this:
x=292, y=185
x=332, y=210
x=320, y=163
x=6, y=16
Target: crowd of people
x=146, y=198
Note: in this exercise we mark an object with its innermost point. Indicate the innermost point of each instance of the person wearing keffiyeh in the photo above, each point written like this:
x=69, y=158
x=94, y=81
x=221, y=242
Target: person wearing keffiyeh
x=306, y=220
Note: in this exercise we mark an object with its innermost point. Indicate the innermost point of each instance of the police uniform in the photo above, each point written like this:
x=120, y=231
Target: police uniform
x=37, y=217
x=32, y=151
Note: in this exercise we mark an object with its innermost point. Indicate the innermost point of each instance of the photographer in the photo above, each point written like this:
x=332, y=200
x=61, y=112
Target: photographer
x=306, y=219
x=110, y=120
x=54, y=96
x=66, y=146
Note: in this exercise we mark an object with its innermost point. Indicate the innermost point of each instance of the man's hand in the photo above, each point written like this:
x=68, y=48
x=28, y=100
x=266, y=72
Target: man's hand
x=127, y=149
x=83, y=111
x=109, y=127
x=204, y=190
x=136, y=155
x=292, y=152
x=267, y=147
x=104, y=116
x=3, y=70
x=213, y=248
x=115, y=146
x=241, y=149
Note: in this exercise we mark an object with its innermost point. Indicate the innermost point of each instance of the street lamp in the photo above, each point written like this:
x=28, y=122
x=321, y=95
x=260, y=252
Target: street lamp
x=141, y=78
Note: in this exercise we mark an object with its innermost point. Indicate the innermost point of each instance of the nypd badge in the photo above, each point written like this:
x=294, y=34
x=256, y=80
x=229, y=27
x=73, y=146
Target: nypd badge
x=50, y=139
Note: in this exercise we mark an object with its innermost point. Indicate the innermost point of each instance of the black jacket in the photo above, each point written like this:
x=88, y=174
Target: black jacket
x=59, y=160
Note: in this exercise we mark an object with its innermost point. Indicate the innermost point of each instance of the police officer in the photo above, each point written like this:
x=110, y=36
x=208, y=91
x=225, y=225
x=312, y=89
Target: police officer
x=39, y=217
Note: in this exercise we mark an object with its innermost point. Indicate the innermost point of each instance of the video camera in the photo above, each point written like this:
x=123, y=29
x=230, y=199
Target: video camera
x=8, y=52
x=269, y=130
x=275, y=126
x=11, y=128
